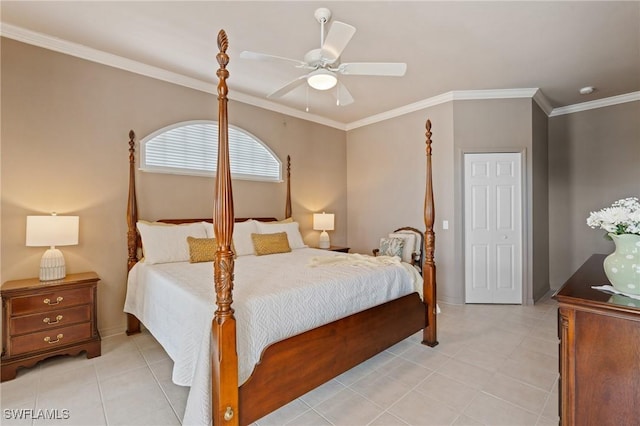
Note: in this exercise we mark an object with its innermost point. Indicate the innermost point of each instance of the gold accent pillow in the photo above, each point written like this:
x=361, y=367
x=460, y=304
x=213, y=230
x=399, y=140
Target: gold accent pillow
x=270, y=243
x=201, y=249
x=204, y=249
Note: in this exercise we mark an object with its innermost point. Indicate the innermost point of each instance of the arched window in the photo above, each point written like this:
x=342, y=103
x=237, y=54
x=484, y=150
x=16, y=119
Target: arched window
x=191, y=148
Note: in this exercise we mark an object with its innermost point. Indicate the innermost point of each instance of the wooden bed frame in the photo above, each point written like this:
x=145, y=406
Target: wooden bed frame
x=292, y=367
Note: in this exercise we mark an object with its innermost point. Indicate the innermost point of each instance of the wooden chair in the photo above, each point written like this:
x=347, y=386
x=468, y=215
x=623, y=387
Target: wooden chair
x=417, y=253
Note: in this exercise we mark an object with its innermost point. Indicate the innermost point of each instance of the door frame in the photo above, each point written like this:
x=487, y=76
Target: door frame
x=526, y=225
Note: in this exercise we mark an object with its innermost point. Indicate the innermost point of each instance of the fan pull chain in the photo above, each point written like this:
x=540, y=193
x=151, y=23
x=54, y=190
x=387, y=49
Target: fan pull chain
x=307, y=108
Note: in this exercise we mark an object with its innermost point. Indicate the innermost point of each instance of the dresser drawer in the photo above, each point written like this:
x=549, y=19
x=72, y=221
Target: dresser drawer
x=50, y=339
x=53, y=300
x=41, y=319
x=47, y=320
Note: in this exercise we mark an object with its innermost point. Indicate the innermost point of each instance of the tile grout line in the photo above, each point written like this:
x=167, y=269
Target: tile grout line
x=511, y=403
x=494, y=372
x=390, y=414
x=549, y=395
x=155, y=377
x=379, y=368
x=104, y=409
x=481, y=390
x=413, y=389
x=436, y=371
x=310, y=408
x=35, y=400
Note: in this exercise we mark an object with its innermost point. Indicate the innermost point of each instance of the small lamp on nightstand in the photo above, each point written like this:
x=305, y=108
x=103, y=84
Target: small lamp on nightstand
x=323, y=222
x=52, y=231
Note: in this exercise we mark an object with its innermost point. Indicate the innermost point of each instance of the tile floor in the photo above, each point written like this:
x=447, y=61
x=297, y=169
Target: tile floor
x=495, y=365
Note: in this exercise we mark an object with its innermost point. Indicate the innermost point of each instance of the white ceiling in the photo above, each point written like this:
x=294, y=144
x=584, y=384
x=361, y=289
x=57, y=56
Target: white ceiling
x=557, y=47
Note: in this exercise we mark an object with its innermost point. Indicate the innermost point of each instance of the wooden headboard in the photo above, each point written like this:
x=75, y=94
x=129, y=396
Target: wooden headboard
x=134, y=242
x=237, y=219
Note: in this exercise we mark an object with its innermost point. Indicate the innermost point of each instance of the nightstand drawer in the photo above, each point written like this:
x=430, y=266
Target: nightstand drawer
x=41, y=319
x=48, y=301
x=47, y=320
x=50, y=339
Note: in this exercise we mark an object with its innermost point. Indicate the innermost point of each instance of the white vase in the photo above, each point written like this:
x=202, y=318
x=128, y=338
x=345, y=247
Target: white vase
x=622, y=267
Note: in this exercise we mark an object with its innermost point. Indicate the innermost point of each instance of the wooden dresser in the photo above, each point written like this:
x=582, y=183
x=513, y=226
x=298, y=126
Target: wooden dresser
x=599, y=351
x=42, y=319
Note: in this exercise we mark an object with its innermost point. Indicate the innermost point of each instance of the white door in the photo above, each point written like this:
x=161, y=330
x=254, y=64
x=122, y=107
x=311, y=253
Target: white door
x=493, y=228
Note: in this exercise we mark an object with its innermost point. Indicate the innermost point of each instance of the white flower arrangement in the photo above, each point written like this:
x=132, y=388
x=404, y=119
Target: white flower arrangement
x=623, y=217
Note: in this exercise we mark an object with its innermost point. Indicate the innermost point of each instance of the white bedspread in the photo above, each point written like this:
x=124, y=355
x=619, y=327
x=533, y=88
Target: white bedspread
x=275, y=297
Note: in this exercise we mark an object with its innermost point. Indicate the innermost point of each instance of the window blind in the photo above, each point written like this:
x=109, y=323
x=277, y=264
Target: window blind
x=192, y=148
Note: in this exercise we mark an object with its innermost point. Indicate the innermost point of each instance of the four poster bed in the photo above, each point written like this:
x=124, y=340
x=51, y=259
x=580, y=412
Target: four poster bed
x=333, y=336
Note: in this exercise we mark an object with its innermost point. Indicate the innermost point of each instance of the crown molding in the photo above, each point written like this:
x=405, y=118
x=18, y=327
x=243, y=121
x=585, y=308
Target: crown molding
x=406, y=109
x=598, y=103
x=466, y=95
x=115, y=61
x=543, y=102
x=101, y=57
x=272, y=106
x=455, y=95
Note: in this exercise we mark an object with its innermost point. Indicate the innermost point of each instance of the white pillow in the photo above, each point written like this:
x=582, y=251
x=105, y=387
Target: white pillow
x=208, y=226
x=242, y=237
x=292, y=229
x=165, y=243
x=409, y=245
x=418, y=235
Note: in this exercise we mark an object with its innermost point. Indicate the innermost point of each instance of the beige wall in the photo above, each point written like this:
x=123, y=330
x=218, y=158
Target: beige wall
x=64, y=148
x=594, y=160
x=507, y=125
x=540, y=203
x=385, y=179
x=386, y=184
x=576, y=163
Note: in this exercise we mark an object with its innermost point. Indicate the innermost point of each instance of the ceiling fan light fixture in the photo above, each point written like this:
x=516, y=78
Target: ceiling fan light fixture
x=322, y=79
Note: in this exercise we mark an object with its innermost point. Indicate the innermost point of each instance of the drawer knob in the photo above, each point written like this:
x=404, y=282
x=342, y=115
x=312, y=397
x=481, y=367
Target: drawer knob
x=49, y=341
x=47, y=320
x=58, y=300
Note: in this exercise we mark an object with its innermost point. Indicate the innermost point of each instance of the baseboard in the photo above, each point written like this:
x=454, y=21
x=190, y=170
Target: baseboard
x=111, y=331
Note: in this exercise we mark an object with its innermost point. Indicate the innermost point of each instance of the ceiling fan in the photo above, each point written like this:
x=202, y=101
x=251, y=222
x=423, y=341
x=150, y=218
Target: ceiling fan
x=324, y=63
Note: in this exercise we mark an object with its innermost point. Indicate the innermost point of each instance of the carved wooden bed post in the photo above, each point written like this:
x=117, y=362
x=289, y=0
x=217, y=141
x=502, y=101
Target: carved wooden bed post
x=276, y=379
x=287, y=209
x=132, y=205
x=430, y=337
x=224, y=357
x=133, y=324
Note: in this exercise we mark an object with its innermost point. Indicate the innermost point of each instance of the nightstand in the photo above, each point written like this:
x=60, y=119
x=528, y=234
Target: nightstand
x=41, y=319
x=339, y=249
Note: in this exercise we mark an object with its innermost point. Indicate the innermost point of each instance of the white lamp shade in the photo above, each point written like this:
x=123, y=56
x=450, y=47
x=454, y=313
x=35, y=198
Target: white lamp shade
x=43, y=231
x=323, y=221
x=322, y=79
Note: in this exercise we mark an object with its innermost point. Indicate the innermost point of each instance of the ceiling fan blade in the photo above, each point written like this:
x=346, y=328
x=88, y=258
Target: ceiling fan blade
x=270, y=58
x=343, y=97
x=396, y=69
x=337, y=39
x=288, y=87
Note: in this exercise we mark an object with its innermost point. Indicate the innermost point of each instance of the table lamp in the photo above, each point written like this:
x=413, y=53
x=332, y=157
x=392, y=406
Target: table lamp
x=52, y=231
x=323, y=222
